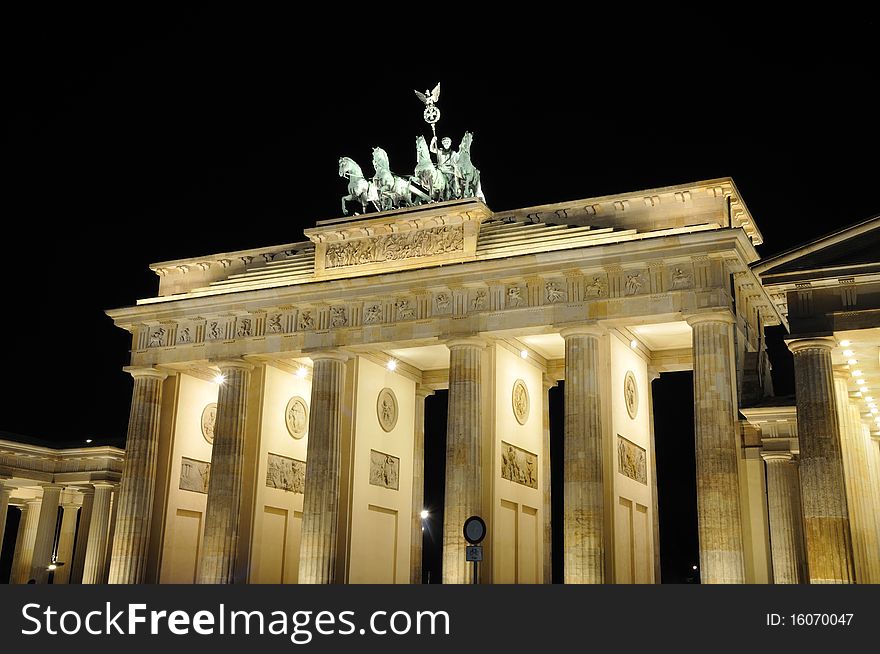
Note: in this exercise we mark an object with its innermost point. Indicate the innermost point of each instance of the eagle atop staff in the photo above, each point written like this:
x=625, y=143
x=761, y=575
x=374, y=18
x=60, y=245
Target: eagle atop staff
x=429, y=97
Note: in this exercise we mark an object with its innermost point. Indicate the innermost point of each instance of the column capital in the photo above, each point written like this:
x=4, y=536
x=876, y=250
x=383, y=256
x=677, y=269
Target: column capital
x=103, y=484
x=336, y=355
x=715, y=315
x=821, y=343
x=585, y=329
x=145, y=371
x=467, y=341
x=776, y=456
x=423, y=391
x=840, y=372
x=548, y=382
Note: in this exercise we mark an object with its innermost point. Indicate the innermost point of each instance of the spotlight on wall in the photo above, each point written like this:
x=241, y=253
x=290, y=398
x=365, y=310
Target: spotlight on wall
x=848, y=353
x=219, y=378
x=424, y=514
x=860, y=381
x=694, y=567
x=634, y=344
x=857, y=373
x=88, y=440
x=524, y=354
x=51, y=567
x=869, y=399
x=852, y=362
x=301, y=372
x=391, y=365
x=872, y=405
x=844, y=343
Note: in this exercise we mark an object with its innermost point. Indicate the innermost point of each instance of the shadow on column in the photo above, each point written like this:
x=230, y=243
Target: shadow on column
x=676, y=477
x=435, y=482
x=13, y=517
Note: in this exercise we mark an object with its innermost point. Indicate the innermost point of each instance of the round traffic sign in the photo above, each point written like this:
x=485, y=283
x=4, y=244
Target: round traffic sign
x=474, y=530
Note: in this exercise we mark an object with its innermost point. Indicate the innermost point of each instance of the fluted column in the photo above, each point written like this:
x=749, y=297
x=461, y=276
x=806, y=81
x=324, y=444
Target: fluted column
x=783, y=500
x=222, y=515
x=4, y=509
x=717, y=448
x=99, y=532
x=872, y=461
x=24, y=545
x=823, y=489
x=464, y=430
x=44, y=542
x=548, y=383
x=317, y=554
x=82, y=535
x=129, y=556
x=418, y=486
x=64, y=552
x=584, y=540
x=865, y=527
x=852, y=474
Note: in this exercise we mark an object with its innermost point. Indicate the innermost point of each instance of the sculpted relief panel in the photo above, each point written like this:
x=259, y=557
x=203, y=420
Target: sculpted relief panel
x=286, y=474
x=520, y=401
x=384, y=470
x=209, y=419
x=296, y=417
x=386, y=409
x=632, y=460
x=518, y=465
x=194, y=475
x=395, y=247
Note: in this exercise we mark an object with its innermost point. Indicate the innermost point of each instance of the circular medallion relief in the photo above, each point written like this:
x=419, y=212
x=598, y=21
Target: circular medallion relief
x=386, y=409
x=209, y=419
x=631, y=394
x=296, y=417
x=520, y=401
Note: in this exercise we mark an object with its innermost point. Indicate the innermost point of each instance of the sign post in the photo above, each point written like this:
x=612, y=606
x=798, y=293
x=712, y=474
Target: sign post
x=474, y=533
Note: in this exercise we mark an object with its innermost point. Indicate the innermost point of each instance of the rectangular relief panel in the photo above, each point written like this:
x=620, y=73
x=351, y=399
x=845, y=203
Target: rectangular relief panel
x=286, y=474
x=381, y=542
x=527, y=553
x=623, y=542
x=518, y=465
x=273, y=546
x=384, y=470
x=642, y=559
x=505, y=543
x=632, y=460
x=194, y=475
x=182, y=557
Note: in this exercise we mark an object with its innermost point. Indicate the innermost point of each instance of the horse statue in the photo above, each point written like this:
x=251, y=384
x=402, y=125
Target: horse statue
x=359, y=188
x=470, y=174
x=394, y=192
x=426, y=173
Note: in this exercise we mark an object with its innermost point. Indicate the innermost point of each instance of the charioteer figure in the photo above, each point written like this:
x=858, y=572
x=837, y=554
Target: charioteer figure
x=447, y=163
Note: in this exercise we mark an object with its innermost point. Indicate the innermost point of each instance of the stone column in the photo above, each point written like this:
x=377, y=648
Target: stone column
x=786, y=537
x=823, y=489
x=464, y=440
x=317, y=554
x=867, y=493
x=717, y=448
x=99, y=532
x=4, y=509
x=222, y=515
x=128, y=561
x=584, y=525
x=64, y=553
x=24, y=544
x=548, y=383
x=44, y=543
x=852, y=473
x=82, y=535
x=418, y=486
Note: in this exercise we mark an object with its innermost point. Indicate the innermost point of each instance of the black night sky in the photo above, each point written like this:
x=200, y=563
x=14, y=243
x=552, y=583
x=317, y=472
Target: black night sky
x=134, y=137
